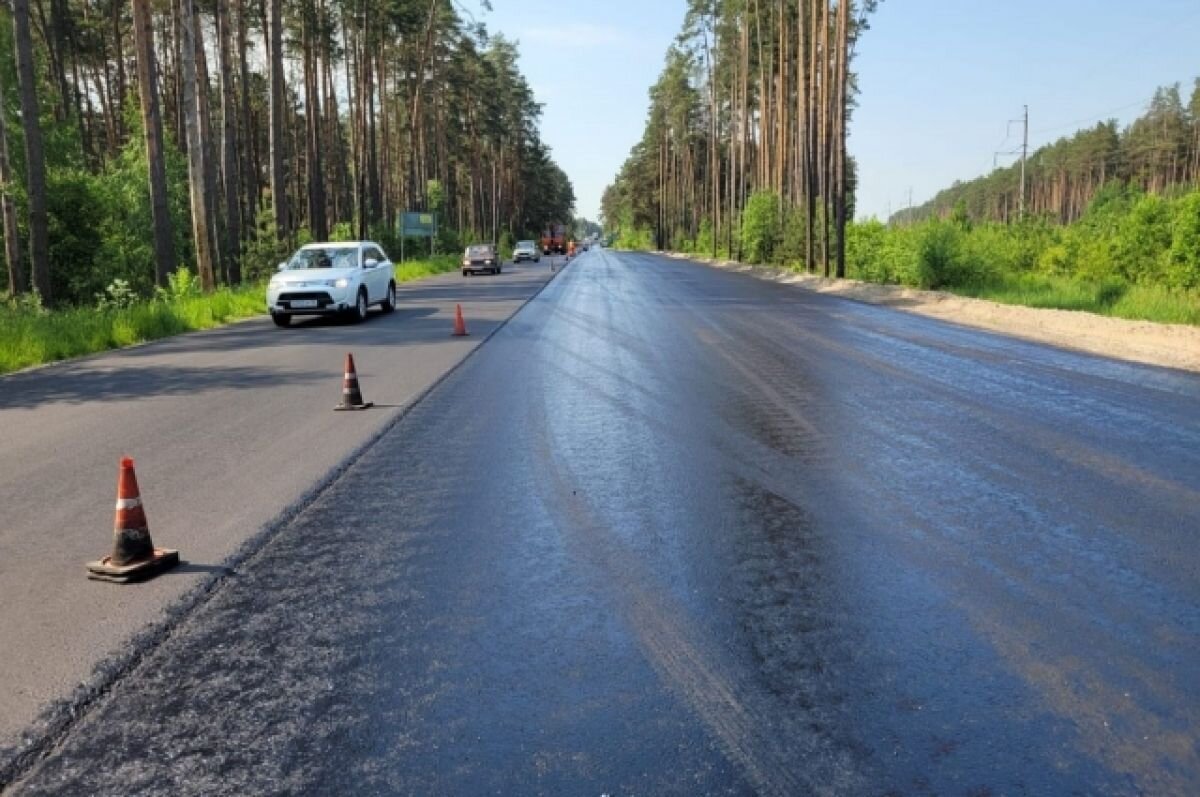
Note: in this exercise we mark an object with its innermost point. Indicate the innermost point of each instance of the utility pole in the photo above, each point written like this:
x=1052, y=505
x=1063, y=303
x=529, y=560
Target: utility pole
x=1024, y=150
x=1024, y=157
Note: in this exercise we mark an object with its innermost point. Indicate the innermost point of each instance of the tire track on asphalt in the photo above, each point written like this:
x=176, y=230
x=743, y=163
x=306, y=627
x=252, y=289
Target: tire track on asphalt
x=777, y=760
x=1069, y=683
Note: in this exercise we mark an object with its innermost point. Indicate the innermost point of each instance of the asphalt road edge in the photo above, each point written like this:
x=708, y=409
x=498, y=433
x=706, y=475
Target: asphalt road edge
x=1148, y=343
x=56, y=721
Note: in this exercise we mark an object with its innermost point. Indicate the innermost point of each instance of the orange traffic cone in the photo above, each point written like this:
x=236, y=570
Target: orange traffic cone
x=460, y=326
x=351, y=395
x=134, y=555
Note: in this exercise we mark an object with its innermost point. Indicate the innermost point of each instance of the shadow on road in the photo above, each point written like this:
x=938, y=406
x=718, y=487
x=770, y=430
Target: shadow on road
x=76, y=384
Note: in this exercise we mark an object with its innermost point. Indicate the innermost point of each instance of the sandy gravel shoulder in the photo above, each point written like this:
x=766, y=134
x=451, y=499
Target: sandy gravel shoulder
x=1167, y=345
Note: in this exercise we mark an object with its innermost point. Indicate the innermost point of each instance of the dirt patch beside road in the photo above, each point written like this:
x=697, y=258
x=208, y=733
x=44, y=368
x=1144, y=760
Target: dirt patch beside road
x=1168, y=345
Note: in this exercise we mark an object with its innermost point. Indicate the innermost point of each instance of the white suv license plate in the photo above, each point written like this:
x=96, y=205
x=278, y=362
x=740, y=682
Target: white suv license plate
x=302, y=304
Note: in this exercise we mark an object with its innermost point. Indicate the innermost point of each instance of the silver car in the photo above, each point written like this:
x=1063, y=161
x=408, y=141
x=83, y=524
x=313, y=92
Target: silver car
x=527, y=250
x=332, y=279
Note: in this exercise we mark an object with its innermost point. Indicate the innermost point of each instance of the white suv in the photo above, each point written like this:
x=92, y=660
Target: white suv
x=332, y=278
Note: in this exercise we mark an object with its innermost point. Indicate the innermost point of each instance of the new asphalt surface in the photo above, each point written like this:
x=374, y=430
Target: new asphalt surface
x=679, y=531
x=228, y=428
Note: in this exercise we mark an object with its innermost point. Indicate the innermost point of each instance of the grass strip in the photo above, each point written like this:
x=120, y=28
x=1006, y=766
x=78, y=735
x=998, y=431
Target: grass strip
x=31, y=337
x=1115, y=298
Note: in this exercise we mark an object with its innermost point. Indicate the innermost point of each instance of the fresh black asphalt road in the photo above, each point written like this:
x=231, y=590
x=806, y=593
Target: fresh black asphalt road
x=678, y=531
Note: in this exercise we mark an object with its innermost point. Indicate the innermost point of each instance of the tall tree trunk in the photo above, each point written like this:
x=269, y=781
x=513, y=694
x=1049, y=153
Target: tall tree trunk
x=826, y=135
x=230, y=169
x=177, y=80
x=119, y=57
x=35, y=165
x=201, y=223
x=212, y=191
x=277, y=89
x=372, y=141
x=8, y=209
x=713, y=155
x=56, y=46
x=342, y=204
x=249, y=129
x=312, y=117
x=840, y=80
x=147, y=71
x=811, y=139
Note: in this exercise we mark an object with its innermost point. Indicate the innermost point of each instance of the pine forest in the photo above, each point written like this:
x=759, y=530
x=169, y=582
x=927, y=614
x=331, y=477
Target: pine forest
x=138, y=137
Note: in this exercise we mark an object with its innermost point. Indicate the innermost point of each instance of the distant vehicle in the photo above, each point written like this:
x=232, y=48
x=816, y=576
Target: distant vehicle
x=526, y=250
x=332, y=278
x=554, y=240
x=481, y=257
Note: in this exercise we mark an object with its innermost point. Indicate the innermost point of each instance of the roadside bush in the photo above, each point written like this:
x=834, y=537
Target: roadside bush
x=1183, y=269
x=262, y=254
x=760, y=227
x=703, y=245
x=638, y=239
x=448, y=240
x=506, y=245
x=387, y=236
x=793, y=240
x=79, y=266
x=993, y=249
x=940, y=256
x=1132, y=255
x=1144, y=239
x=865, y=252
x=181, y=284
x=117, y=296
x=1095, y=254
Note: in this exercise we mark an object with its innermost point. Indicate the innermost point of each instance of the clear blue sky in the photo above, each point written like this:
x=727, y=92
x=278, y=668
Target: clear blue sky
x=939, y=80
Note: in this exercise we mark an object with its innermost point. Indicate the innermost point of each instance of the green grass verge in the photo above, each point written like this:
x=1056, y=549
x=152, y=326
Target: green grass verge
x=29, y=337
x=420, y=269
x=1109, y=297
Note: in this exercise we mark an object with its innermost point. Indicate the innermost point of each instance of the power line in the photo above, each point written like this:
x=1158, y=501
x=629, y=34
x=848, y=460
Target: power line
x=1024, y=157
x=1023, y=150
x=1105, y=115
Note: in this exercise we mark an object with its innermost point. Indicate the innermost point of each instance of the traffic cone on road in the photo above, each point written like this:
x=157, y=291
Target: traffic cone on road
x=460, y=326
x=134, y=555
x=351, y=395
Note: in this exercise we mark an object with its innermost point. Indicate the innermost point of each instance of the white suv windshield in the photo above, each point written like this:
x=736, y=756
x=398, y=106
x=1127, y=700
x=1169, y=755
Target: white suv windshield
x=331, y=257
x=525, y=245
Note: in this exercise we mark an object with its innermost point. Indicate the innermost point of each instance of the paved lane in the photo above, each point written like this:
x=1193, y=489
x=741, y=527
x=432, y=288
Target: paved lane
x=228, y=428
x=678, y=531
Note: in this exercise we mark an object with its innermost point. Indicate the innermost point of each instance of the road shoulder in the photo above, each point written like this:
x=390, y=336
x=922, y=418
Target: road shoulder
x=1165, y=345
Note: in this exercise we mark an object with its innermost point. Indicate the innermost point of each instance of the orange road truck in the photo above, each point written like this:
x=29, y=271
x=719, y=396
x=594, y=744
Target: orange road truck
x=554, y=240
